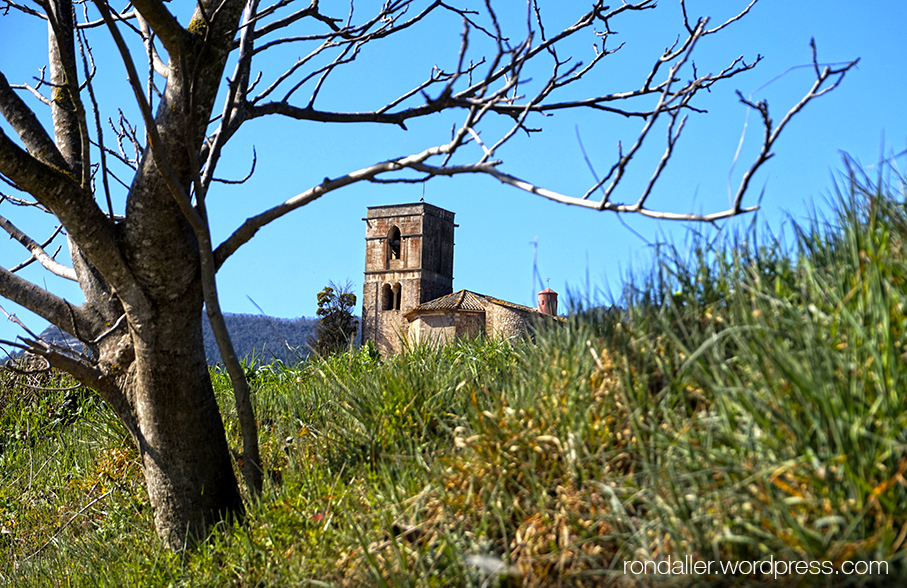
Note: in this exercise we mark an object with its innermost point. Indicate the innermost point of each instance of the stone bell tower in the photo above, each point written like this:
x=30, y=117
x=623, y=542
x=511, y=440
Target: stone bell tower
x=408, y=260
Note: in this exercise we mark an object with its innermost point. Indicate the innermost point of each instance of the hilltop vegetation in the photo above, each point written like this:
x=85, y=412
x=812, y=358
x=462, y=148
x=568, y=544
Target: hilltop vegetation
x=264, y=338
x=257, y=338
x=746, y=401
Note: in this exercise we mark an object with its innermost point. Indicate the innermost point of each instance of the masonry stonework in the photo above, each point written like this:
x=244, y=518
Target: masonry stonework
x=438, y=328
x=508, y=322
x=408, y=260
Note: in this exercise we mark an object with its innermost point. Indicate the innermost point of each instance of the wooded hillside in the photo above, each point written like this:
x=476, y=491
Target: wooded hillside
x=263, y=337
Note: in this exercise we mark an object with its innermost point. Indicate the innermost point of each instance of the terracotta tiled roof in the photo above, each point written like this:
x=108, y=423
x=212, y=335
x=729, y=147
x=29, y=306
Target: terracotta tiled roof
x=512, y=305
x=463, y=301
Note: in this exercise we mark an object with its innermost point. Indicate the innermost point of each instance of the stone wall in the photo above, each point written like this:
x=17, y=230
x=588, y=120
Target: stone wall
x=433, y=329
x=470, y=324
x=443, y=327
x=507, y=322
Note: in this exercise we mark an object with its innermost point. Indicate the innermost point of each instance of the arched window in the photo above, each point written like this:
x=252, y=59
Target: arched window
x=387, y=297
x=393, y=243
x=396, y=296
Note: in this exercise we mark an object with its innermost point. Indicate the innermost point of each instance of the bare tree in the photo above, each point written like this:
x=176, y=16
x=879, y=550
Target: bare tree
x=148, y=270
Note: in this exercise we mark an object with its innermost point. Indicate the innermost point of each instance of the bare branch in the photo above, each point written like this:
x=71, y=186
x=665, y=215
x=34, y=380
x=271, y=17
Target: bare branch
x=669, y=150
x=351, y=40
x=37, y=251
x=467, y=98
x=26, y=125
x=126, y=132
x=127, y=14
x=280, y=24
x=247, y=176
x=286, y=75
x=79, y=367
x=232, y=115
x=7, y=4
x=54, y=309
x=610, y=206
x=85, y=51
x=31, y=259
x=248, y=229
x=41, y=97
x=155, y=61
x=48, y=241
x=478, y=99
x=735, y=18
x=771, y=133
x=67, y=109
x=161, y=21
x=23, y=202
x=665, y=101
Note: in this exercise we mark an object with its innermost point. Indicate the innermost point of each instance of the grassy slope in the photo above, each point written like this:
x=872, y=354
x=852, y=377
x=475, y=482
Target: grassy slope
x=747, y=402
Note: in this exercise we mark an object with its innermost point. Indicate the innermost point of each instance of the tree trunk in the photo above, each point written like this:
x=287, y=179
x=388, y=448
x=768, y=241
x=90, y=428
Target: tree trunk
x=177, y=427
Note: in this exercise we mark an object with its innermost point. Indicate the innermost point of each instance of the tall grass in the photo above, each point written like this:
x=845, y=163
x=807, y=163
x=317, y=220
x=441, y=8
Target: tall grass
x=743, y=400
x=768, y=386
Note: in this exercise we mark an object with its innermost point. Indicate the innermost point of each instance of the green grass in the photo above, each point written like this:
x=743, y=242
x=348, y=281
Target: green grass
x=745, y=400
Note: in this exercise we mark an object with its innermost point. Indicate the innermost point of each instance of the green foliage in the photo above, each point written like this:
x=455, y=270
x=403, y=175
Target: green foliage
x=744, y=400
x=338, y=324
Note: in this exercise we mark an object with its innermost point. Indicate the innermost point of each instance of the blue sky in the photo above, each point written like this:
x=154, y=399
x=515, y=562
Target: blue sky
x=289, y=261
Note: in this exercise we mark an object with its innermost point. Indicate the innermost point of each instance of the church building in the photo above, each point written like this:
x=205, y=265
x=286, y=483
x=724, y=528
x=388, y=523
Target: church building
x=408, y=288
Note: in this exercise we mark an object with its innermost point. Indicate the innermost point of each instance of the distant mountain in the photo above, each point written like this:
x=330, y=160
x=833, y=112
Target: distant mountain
x=262, y=337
